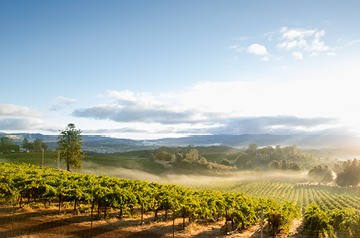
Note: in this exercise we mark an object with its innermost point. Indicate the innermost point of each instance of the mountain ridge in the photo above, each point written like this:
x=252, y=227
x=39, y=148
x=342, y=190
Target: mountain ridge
x=100, y=143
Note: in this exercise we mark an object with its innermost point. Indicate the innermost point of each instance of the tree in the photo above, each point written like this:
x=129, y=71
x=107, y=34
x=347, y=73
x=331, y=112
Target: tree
x=26, y=145
x=275, y=165
x=321, y=174
x=349, y=174
x=69, y=147
x=39, y=145
x=7, y=145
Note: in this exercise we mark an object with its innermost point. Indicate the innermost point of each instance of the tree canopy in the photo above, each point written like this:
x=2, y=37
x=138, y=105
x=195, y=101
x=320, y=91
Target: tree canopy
x=38, y=145
x=349, y=174
x=7, y=145
x=69, y=147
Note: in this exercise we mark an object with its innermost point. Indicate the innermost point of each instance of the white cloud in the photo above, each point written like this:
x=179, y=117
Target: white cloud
x=303, y=41
x=64, y=100
x=297, y=55
x=257, y=49
x=20, y=123
x=233, y=107
x=61, y=102
x=15, y=110
x=125, y=95
x=15, y=117
x=332, y=54
x=293, y=44
x=298, y=33
x=353, y=42
x=318, y=46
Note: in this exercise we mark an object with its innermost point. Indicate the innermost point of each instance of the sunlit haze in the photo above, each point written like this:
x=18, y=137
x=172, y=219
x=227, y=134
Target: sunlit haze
x=153, y=69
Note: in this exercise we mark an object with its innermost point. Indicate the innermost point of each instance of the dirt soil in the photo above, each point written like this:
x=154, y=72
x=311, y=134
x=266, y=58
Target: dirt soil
x=48, y=223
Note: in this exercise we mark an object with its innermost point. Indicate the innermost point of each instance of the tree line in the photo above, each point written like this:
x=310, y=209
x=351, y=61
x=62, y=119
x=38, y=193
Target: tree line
x=253, y=157
x=8, y=145
x=344, y=173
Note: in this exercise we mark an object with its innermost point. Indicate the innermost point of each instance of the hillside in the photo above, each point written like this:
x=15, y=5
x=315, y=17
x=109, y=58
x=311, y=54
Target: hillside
x=104, y=144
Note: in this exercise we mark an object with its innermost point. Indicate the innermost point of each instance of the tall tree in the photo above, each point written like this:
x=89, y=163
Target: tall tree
x=70, y=147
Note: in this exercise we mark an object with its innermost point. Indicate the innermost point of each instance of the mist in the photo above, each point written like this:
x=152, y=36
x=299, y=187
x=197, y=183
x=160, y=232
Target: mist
x=216, y=181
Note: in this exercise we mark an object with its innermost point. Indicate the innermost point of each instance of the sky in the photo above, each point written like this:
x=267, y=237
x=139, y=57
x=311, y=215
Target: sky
x=144, y=69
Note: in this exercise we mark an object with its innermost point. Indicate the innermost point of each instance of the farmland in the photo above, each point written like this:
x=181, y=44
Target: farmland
x=176, y=186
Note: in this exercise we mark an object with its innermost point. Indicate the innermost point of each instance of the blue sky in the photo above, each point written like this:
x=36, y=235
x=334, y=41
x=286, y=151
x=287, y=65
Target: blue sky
x=150, y=69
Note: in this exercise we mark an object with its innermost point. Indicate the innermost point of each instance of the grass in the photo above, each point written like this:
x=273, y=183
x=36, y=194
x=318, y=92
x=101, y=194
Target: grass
x=91, y=161
x=31, y=158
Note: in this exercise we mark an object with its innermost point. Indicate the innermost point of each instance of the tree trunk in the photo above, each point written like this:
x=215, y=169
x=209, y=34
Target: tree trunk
x=105, y=212
x=156, y=215
x=121, y=213
x=226, y=219
x=92, y=210
x=75, y=203
x=173, y=225
x=20, y=201
x=59, y=203
x=98, y=210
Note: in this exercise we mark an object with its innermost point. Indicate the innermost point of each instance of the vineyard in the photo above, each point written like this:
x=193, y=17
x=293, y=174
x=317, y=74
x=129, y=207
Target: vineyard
x=327, y=210
x=326, y=197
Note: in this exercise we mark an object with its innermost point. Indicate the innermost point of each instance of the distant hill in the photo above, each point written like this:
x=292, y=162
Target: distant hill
x=96, y=143
x=105, y=144
x=301, y=140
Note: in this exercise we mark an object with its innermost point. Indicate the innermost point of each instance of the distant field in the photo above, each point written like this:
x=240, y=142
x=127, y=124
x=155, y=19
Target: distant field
x=31, y=158
x=327, y=197
x=117, y=164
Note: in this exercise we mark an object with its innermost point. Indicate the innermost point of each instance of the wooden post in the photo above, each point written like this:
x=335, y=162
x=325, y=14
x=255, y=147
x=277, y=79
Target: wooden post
x=261, y=222
x=42, y=157
x=92, y=209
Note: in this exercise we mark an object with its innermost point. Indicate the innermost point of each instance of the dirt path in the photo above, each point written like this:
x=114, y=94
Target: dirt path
x=48, y=223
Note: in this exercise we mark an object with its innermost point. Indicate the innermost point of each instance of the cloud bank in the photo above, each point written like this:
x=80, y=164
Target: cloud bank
x=237, y=108
x=15, y=117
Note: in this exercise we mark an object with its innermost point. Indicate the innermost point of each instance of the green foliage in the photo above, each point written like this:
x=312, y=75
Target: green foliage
x=345, y=222
x=321, y=174
x=326, y=197
x=332, y=223
x=186, y=157
x=69, y=147
x=18, y=181
x=7, y=145
x=225, y=161
x=37, y=146
x=316, y=223
x=279, y=215
x=165, y=156
x=283, y=158
x=349, y=174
